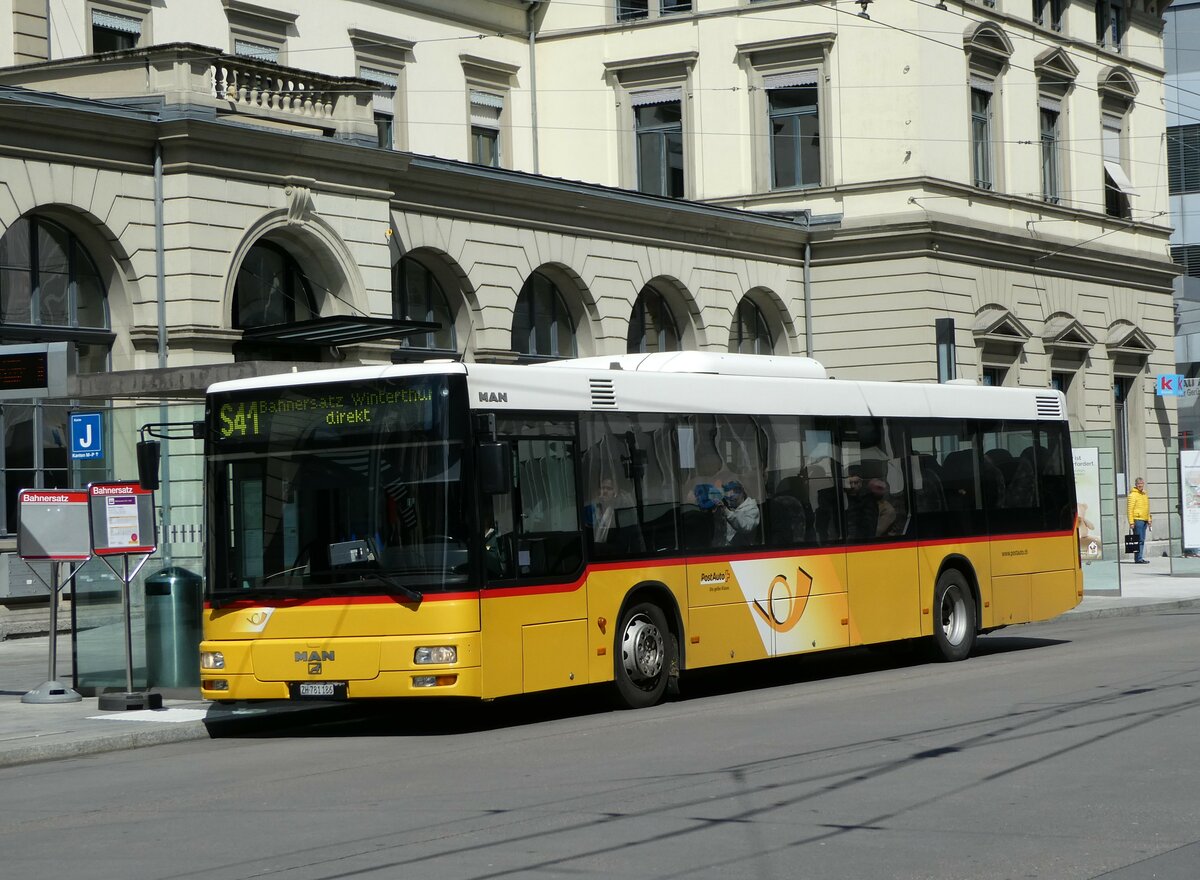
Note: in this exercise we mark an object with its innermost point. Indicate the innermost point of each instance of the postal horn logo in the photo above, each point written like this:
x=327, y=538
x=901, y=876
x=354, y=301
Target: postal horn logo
x=784, y=606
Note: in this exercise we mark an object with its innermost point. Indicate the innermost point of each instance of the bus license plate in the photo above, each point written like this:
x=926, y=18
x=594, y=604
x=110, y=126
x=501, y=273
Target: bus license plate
x=318, y=690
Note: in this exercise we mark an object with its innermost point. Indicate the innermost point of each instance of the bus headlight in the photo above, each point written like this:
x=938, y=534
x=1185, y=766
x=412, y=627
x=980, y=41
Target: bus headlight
x=435, y=654
x=212, y=660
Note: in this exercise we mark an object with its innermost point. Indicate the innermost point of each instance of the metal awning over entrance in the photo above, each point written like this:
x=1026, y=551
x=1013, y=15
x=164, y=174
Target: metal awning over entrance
x=337, y=330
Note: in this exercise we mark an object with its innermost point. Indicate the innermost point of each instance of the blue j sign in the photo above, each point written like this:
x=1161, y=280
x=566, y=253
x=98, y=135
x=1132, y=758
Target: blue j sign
x=87, y=438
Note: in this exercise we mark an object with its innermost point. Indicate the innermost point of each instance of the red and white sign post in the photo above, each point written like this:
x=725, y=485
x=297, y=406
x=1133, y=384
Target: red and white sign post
x=53, y=528
x=121, y=520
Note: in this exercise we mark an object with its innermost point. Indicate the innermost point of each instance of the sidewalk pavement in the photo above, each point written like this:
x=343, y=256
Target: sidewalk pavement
x=45, y=732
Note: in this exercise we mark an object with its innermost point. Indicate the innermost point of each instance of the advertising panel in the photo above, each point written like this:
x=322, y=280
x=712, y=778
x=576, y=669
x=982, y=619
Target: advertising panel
x=1087, y=495
x=1189, y=473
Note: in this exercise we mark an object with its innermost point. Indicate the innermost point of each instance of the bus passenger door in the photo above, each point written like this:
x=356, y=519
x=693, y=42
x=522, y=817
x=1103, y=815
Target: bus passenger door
x=533, y=604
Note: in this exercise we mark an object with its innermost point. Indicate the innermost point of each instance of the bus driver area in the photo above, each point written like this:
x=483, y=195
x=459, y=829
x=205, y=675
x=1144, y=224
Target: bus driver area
x=500, y=529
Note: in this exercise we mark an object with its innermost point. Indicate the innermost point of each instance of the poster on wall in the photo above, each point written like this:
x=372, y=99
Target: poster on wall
x=1189, y=492
x=1087, y=496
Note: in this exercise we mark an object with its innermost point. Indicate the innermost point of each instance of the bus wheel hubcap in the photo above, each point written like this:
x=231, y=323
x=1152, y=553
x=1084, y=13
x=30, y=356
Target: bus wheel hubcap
x=954, y=616
x=642, y=650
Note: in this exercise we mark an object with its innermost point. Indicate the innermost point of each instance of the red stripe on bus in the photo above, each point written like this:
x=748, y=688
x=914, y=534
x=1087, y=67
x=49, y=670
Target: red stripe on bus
x=572, y=586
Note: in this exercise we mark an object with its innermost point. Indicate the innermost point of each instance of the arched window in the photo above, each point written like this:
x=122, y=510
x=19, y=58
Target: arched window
x=271, y=288
x=651, y=326
x=750, y=333
x=542, y=325
x=50, y=291
x=417, y=296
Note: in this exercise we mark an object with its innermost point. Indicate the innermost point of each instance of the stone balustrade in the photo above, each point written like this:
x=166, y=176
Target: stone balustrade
x=252, y=85
x=233, y=86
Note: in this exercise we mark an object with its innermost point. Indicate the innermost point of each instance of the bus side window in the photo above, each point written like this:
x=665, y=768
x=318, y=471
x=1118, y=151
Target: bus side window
x=1055, y=483
x=547, y=538
x=533, y=531
x=955, y=479
x=875, y=491
x=722, y=476
x=800, y=506
x=627, y=464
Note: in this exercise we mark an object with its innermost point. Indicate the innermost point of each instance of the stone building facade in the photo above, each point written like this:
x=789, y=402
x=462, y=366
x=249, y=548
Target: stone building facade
x=916, y=193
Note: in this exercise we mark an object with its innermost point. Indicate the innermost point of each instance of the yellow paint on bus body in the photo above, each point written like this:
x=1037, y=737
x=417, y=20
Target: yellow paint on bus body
x=535, y=638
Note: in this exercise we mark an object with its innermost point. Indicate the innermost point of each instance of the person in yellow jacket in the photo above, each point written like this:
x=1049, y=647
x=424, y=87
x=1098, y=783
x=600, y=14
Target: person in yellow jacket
x=1138, y=509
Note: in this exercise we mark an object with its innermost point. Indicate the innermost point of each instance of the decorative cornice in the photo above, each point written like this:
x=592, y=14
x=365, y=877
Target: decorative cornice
x=1066, y=333
x=1055, y=63
x=1117, y=82
x=994, y=323
x=368, y=44
x=1126, y=338
x=260, y=13
x=799, y=45
x=687, y=59
x=986, y=38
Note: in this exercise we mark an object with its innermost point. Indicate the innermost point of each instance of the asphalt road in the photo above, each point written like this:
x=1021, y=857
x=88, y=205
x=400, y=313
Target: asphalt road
x=1065, y=750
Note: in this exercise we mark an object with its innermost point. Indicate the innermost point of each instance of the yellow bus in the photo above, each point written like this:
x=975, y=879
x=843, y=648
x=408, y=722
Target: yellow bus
x=483, y=530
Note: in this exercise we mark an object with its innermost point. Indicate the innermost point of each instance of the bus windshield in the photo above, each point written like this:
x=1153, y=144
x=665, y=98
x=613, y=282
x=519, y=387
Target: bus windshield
x=338, y=489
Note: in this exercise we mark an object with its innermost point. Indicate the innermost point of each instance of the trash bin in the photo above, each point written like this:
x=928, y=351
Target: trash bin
x=173, y=628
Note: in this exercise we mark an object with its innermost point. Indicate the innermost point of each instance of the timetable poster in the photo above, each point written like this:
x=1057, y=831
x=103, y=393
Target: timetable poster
x=121, y=520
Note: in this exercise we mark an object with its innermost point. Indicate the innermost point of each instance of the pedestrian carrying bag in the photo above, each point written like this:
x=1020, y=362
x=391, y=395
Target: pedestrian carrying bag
x=1131, y=542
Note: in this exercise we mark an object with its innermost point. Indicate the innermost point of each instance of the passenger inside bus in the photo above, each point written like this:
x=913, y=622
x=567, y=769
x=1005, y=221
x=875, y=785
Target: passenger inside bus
x=886, y=515
x=612, y=521
x=739, y=517
x=861, y=508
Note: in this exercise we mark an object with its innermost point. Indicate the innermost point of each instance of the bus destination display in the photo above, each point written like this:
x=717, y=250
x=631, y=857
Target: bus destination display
x=292, y=412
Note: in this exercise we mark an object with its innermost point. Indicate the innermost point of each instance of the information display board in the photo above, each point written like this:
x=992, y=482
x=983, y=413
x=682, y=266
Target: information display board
x=121, y=516
x=33, y=370
x=53, y=524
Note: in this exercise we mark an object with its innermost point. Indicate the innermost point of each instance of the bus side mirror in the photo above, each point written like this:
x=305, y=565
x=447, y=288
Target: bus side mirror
x=148, y=452
x=495, y=467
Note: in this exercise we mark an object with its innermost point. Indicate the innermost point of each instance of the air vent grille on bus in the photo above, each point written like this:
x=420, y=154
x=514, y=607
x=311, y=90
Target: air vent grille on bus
x=603, y=395
x=1049, y=408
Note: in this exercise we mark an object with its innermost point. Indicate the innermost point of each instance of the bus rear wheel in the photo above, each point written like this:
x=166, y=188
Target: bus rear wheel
x=644, y=656
x=954, y=617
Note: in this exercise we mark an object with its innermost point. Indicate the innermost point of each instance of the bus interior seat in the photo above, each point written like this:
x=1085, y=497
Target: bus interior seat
x=958, y=479
x=786, y=521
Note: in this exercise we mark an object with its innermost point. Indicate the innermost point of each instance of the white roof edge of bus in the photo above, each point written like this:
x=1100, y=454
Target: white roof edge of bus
x=544, y=386
x=337, y=374
x=717, y=363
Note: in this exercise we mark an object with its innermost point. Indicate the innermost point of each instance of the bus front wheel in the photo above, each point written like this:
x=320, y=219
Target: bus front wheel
x=644, y=656
x=954, y=617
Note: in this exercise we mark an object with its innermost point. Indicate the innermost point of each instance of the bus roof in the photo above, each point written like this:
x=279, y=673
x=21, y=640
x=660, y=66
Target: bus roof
x=694, y=382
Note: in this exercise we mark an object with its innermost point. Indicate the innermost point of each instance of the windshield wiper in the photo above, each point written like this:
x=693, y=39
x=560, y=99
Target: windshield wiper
x=268, y=578
x=415, y=595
